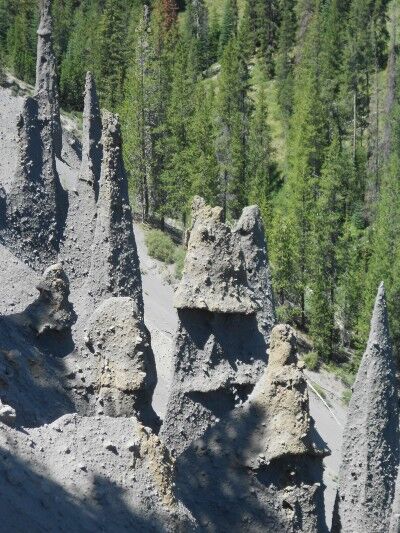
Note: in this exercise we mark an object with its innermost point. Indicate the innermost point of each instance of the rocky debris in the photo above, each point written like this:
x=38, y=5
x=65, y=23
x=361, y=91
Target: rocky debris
x=264, y=455
x=91, y=137
x=7, y=413
x=370, y=454
x=220, y=351
x=74, y=482
x=124, y=372
x=114, y=269
x=31, y=202
x=52, y=310
x=46, y=89
x=81, y=220
x=214, y=275
x=250, y=230
x=394, y=526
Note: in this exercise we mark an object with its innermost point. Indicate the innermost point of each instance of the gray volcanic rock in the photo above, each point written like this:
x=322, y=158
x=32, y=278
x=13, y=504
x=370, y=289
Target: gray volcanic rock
x=214, y=276
x=250, y=231
x=52, y=310
x=91, y=136
x=261, y=468
x=81, y=220
x=394, y=526
x=114, y=269
x=370, y=455
x=88, y=474
x=46, y=89
x=31, y=202
x=220, y=351
x=124, y=374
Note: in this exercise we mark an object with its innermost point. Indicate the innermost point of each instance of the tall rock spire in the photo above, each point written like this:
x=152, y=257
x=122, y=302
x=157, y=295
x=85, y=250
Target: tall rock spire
x=114, y=269
x=91, y=136
x=370, y=454
x=31, y=203
x=46, y=89
x=78, y=237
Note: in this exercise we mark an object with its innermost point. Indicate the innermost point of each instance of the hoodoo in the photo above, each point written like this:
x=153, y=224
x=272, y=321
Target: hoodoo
x=370, y=455
x=81, y=219
x=114, y=269
x=31, y=203
x=220, y=350
x=46, y=89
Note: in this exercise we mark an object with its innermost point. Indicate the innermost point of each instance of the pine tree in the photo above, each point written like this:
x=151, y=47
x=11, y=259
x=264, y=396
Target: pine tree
x=197, y=34
x=112, y=53
x=232, y=126
x=309, y=137
x=21, y=41
x=285, y=59
x=229, y=24
x=260, y=170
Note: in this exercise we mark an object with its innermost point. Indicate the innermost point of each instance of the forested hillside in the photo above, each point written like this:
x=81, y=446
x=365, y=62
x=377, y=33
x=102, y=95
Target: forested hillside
x=290, y=104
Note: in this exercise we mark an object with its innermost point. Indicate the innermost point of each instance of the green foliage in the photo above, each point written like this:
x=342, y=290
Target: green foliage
x=311, y=360
x=160, y=246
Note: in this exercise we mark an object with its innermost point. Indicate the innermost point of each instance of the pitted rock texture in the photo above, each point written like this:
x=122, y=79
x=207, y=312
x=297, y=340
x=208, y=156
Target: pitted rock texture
x=370, y=455
x=62, y=470
x=46, y=89
x=394, y=526
x=114, y=269
x=221, y=344
x=81, y=220
x=124, y=373
x=261, y=468
x=214, y=276
x=91, y=136
x=250, y=230
x=52, y=310
x=31, y=217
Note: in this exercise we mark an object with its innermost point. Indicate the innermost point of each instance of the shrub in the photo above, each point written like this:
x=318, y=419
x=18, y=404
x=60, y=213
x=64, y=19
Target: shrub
x=346, y=396
x=311, y=360
x=179, y=261
x=160, y=246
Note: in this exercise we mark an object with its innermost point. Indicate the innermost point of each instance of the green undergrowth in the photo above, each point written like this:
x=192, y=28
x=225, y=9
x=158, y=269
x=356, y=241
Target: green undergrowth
x=160, y=246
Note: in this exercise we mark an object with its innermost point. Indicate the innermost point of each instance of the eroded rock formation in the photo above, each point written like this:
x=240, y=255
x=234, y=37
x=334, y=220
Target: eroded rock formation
x=221, y=349
x=46, y=89
x=370, y=455
x=51, y=311
x=260, y=469
x=31, y=215
x=124, y=373
x=114, y=269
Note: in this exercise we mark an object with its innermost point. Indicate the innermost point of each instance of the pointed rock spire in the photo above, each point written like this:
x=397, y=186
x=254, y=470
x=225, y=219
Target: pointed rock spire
x=370, y=453
x=46, y=89
x=114, y=269
x=250, y=230
x=31, y=203
x=91, y=136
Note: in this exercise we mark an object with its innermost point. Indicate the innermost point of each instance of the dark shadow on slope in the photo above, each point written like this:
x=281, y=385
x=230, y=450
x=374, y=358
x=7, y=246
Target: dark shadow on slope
x=237, y=337
x=226, y=496
x=31, y=502
x=30, y=378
